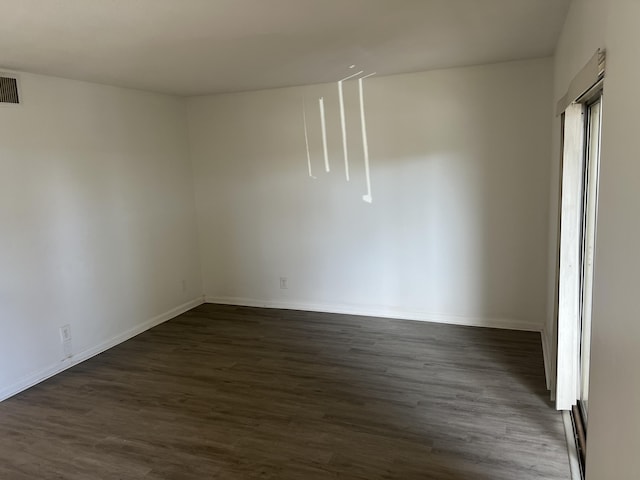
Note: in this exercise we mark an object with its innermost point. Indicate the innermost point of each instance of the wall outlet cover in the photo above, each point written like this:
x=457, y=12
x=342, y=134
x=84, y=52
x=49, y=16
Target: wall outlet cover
x=65, y=333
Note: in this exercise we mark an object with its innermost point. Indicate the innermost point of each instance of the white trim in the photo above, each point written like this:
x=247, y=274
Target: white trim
x=546, y=356
x=381, y=311
x=584, y=81
x=572, y=447
x=52, y=370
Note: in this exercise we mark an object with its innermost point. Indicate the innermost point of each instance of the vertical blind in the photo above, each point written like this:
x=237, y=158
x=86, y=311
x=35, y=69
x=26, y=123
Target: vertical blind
x=569, y=278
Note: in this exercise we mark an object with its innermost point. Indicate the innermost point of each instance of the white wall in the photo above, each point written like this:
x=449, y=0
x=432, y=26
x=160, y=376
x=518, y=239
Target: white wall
x=98, y=221
x=614, y=422
x=458, y=227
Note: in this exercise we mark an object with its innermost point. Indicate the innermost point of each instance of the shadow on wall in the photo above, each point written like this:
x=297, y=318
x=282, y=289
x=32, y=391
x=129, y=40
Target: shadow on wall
x=458, y=220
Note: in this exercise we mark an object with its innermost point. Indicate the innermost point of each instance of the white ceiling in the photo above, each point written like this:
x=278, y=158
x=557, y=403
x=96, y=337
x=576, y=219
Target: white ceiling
x=191, y=47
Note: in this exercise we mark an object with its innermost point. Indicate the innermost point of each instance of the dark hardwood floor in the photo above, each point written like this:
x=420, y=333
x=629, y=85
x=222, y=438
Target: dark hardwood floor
x=245, y=393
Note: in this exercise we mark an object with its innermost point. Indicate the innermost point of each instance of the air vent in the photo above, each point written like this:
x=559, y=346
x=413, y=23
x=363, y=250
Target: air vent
x=9, y=90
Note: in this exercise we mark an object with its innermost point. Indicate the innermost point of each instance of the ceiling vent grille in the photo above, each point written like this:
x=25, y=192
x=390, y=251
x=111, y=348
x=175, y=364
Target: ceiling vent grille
x=9, y=90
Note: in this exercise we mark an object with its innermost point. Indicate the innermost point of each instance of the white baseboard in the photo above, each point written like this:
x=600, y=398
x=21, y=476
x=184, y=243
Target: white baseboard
x=381, y=311
x=545, y=356
x=52, y=370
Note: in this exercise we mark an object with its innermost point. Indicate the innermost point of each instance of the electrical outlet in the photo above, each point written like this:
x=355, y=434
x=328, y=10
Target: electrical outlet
x=184, y=286
x=65, y=339
x=65, y=333
x=284, y=283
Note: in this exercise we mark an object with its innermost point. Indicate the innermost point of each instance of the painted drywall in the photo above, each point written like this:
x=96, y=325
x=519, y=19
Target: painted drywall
x=614, y=423
x=458, y=227
x=97, y=218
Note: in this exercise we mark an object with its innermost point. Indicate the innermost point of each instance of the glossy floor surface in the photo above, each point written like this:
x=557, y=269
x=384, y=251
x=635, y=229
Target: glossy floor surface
x=244, y=393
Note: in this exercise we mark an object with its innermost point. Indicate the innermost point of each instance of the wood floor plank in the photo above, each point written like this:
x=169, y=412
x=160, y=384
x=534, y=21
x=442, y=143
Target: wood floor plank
x=245, y=393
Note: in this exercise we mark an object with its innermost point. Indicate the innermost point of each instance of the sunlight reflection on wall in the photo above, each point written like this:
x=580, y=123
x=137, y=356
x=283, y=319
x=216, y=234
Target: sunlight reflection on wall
x=360, y=77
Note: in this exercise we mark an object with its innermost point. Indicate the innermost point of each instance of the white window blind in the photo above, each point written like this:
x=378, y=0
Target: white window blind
x=571, y=212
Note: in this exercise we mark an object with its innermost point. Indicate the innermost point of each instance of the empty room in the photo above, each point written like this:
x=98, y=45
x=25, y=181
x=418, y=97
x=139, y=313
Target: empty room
x=319, y=239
